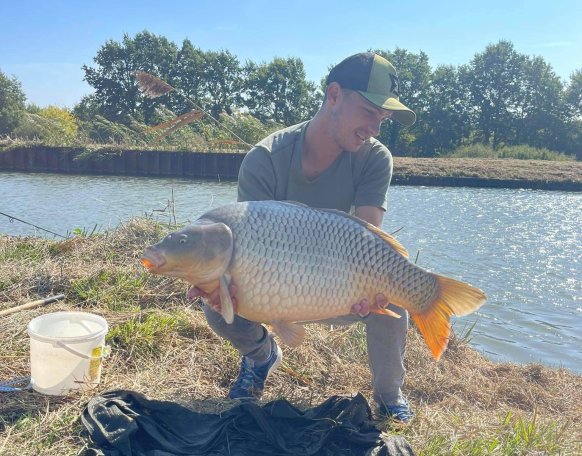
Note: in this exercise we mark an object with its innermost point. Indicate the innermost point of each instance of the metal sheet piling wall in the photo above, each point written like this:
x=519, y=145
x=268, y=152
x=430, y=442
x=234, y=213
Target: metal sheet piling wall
x=210, y=165
x=207, y=165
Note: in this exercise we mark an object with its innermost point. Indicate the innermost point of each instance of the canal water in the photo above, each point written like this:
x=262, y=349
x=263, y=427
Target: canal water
x=522, y=247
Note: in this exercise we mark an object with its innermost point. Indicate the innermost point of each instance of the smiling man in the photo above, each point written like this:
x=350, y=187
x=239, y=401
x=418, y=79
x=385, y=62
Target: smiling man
x=331, y=161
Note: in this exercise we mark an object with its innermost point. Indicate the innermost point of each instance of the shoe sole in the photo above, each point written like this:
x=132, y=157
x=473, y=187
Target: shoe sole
x=277, y=362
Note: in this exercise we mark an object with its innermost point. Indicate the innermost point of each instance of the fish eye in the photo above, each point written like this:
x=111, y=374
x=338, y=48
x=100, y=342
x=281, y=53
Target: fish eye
x=183, y=239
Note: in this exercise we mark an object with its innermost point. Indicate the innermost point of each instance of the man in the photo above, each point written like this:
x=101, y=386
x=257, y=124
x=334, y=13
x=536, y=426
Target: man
x=331, y=161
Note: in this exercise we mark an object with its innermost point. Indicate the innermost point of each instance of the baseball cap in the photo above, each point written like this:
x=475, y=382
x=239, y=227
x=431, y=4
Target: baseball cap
x=373, y=77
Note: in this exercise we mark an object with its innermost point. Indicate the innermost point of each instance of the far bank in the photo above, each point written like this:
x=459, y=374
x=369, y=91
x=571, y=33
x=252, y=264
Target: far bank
x=469, y=172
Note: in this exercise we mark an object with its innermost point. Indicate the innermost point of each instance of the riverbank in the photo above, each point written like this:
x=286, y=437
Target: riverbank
x=163, y=348
x=489, y=172
x=469, y=172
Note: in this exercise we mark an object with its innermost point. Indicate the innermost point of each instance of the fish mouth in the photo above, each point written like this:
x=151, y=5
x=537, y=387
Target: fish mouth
x=152, y=262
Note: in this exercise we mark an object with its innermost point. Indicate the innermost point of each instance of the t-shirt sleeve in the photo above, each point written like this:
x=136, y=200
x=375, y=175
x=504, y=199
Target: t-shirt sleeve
x=256, y=176
x=374, y=180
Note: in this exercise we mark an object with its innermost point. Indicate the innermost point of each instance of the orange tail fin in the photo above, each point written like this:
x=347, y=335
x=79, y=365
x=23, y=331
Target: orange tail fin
x=453, y=298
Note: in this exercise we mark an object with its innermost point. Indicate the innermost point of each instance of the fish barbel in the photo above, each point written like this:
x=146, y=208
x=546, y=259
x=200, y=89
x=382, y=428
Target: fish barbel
x=292, y=264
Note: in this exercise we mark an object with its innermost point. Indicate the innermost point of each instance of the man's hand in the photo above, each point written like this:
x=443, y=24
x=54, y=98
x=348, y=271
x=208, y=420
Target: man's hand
x=362, y=308
x=212, y=299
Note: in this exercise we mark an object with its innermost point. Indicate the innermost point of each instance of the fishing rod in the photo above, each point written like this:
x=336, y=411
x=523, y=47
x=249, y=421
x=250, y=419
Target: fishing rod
x=12, y=218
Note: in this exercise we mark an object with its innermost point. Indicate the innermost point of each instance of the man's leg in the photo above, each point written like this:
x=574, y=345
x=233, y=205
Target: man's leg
x=260, y=354
x=251, y=339
x=386, y=341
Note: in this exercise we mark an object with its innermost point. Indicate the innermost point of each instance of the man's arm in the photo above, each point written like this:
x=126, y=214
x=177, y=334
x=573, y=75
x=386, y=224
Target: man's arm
x=256, y=176
x=256, y=182
x=371, y=214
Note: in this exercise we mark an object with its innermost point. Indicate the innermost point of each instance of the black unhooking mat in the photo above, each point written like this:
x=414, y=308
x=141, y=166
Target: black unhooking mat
x=127, y=423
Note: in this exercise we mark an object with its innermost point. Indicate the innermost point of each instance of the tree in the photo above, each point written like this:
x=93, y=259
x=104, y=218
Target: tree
x=113, y=80
x=222, y=82
x=493, y=79
x=189, y=76
x=87, y=108
x=12, y=101
x=279, y=92
x=574, y=102
x=445, y=122
x=413, y=83
x=539, y=108
x=574, y=94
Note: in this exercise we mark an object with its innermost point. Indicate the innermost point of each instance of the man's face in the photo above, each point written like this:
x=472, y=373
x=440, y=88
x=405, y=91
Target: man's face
x=355, y=120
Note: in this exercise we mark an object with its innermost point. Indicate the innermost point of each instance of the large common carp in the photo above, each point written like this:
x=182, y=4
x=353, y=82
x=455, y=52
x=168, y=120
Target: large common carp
x=292, y=263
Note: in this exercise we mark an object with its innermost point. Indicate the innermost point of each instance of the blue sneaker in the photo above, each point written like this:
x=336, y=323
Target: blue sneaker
x=396, y=412
x=250, y=382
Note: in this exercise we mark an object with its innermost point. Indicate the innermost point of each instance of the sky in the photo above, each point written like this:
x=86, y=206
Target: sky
x=44, y=44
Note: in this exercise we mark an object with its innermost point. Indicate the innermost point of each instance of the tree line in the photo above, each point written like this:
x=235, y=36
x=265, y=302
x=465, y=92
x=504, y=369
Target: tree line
x=500, y=98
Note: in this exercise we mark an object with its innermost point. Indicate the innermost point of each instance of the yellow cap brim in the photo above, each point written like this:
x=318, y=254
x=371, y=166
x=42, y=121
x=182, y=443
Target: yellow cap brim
x=401, y=113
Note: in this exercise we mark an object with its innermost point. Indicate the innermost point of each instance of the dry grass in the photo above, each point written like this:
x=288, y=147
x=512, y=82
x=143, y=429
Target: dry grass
x=162, y=347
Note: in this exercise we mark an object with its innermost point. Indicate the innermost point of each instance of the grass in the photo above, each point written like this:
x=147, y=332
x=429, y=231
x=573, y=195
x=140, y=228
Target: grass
x=113, y=290
x=491, y=168
x=520, y=152
x=505, y=435
x=146, y=333
x=162, y=347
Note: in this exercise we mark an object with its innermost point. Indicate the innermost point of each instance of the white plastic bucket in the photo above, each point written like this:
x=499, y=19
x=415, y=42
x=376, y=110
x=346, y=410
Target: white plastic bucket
x=66, y=350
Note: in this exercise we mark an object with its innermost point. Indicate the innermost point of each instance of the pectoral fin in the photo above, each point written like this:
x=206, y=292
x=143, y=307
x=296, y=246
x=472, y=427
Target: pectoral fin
x=226, y=307
x=291, y=334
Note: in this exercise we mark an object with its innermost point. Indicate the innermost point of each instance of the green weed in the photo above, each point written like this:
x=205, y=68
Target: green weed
x=42, y=433
x=110, y=289
x=85, y=232
x=514, y=436
x=145, y=333
x=523, y=436
x=22, y=251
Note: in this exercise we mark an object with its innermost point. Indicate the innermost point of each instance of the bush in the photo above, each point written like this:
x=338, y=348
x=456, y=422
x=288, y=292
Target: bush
x=63, y=122
x=101, y=130
x=52, y=125
x=246, y=127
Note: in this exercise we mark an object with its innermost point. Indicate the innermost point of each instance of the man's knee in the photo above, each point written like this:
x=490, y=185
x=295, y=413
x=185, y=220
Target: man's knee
x=388, y=332
x=245, y=335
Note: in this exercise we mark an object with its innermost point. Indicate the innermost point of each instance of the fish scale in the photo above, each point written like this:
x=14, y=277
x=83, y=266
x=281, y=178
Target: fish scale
x=292, y=263
x=352, y=262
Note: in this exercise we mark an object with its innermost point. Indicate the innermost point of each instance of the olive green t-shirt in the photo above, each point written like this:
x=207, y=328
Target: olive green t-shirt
x=272, y=170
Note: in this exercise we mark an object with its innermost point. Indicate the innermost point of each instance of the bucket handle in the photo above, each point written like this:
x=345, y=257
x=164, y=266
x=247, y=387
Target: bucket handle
x=104, y=351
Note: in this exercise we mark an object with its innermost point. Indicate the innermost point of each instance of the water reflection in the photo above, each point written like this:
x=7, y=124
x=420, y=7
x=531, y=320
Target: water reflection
x=522, y=247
